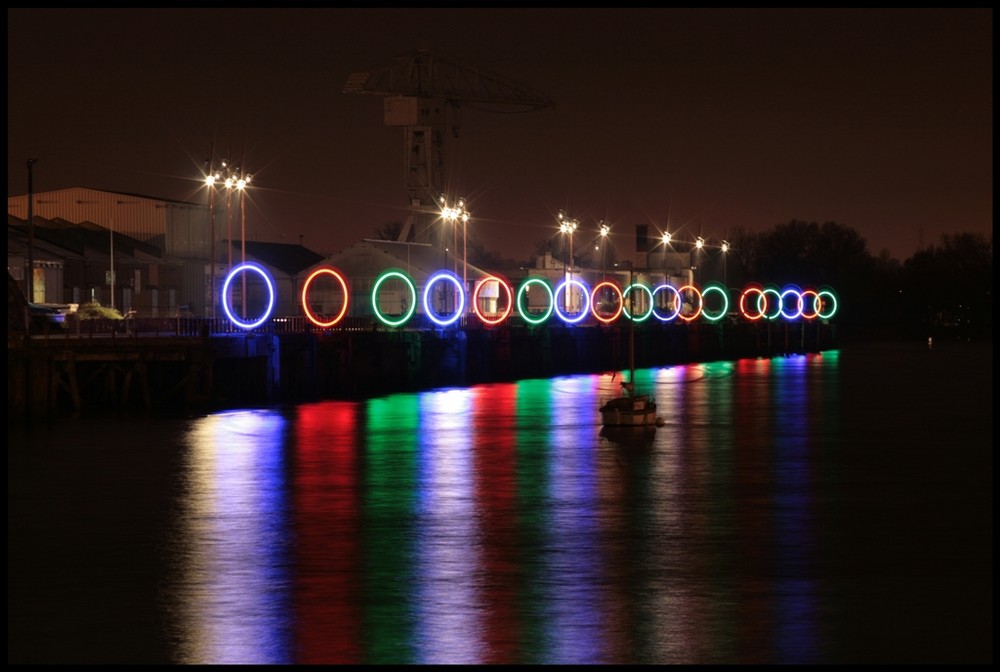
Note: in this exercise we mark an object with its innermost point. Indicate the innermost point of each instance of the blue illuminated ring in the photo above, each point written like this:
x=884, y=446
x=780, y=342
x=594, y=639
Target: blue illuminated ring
x=791, y=291
x=429, y=311
x=677, y=302
x=227, y=305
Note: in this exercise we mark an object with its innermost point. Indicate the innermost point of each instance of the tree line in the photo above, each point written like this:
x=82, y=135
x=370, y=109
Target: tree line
x=945, y=289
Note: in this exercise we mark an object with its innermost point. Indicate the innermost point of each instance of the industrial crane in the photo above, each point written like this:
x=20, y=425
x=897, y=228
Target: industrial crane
x=423, y=92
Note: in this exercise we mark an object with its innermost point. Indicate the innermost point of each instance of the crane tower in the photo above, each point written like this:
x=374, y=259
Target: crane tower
x=423, y=92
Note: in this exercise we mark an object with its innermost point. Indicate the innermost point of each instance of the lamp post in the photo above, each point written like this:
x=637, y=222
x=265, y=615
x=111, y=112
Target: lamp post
x=725, y=262
x=241, y=185
x=666, y=242
x=236, y=179
x=211, y=176
x=465, y=244
x=666, y=237
x=604, y=231
x=31, y=235
x=112, y=278
x=568, y=225
x=229, y=183
x=699, y=243
x=454, y=214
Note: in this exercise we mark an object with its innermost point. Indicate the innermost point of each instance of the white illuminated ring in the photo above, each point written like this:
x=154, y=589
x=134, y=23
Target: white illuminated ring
x=564, y=287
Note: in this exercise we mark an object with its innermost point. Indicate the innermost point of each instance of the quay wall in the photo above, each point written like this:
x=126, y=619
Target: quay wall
x=198, y=372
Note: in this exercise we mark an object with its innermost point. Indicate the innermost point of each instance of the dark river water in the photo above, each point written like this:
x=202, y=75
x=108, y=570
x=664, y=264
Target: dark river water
x=827, y=508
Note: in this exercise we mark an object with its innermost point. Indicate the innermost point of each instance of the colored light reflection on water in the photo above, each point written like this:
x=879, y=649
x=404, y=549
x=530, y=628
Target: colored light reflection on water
x=493, y=525
x=447, y=561
x=773, y=518
x=327, y=556
x=233, y=588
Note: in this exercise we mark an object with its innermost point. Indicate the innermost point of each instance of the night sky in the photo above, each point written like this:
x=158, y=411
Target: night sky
x=696, y=120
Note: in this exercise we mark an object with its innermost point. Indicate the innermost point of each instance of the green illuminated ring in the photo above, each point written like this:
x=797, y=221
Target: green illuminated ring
x=833, y=303
x=762, y=303
x=725, y=301
x=522, y=290
x=383, y=318
x=625, y=302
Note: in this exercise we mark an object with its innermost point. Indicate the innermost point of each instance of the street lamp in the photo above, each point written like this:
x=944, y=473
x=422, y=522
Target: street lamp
x=666, y=238
x=568, y=225
x=236, y=179
x=241, y=186
x=211, y=177
x=699, y=243
x=454, y=215
x=605, y=230
x=666, y=242
x=465, y=245
x=725, y=260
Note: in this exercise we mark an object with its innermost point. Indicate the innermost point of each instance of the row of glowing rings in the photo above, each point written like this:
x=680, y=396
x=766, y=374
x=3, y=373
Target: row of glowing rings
x=755, y=302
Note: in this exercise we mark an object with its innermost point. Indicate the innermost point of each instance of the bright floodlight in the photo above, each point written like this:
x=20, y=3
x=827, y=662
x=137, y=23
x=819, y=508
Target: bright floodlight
x=725, y=246
x=666, y=237
x=605, y=230
x=699, y=243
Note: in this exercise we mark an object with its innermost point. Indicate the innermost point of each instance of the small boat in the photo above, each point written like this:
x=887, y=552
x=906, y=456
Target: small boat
x=631, y=409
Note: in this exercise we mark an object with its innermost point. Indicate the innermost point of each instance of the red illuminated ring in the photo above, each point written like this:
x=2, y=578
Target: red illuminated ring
x=815, y=303
x=326, y=270
x=759, y=303
x=701, y=303
x=593, y=302
x=475, y=299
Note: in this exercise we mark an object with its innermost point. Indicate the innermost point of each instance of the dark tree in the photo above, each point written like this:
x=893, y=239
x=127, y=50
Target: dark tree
x=949, y=288
x=389, y=231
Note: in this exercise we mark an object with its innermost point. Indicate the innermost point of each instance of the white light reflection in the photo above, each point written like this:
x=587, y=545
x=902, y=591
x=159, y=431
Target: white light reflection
x=573, y=574
x=232, y=595
x=670, y=608
x=449, y=616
